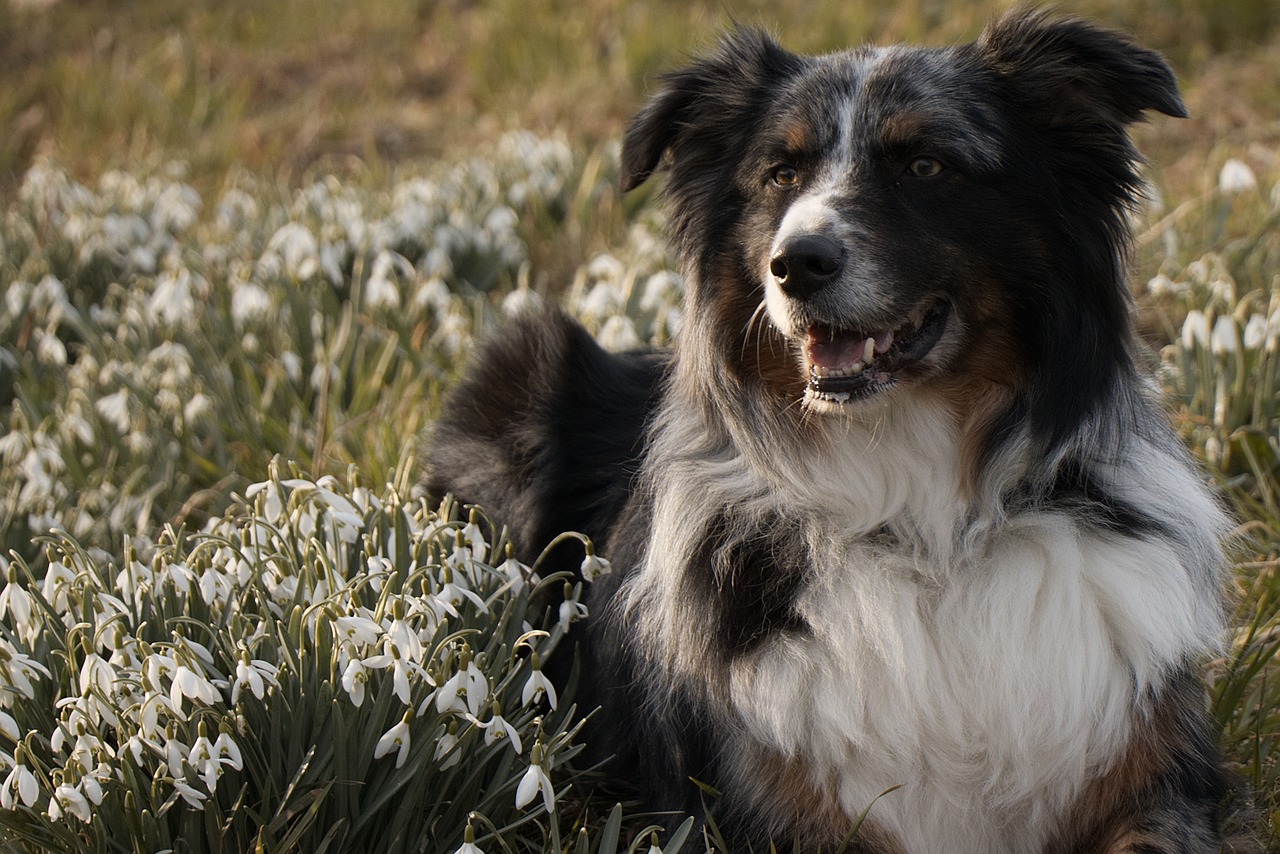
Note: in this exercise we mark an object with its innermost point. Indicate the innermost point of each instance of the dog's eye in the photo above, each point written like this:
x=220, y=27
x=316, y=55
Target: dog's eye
x=785, y=176
x=925, y=167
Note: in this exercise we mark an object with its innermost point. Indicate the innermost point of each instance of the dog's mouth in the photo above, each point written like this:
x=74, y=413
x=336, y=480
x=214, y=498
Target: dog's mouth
x=848, y=365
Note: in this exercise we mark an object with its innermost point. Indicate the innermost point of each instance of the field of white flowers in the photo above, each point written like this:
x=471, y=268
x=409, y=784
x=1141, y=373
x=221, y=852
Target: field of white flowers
x=229, y=620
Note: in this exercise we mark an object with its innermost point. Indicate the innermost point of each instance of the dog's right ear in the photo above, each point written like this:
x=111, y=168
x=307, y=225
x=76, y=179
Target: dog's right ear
x=695, y=99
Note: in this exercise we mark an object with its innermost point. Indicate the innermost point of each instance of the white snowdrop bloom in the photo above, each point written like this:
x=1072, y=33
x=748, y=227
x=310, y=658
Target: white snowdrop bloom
x=1255, y=332
x=255, y=675
x=227, y=751
x=399, y=670
x=538, y=686
x=466, y=691
x=571, y=611
x=1161, y=285
x=1236, y=177
x=292, y=365
x=194, y=797
x=97, y=674
x=445, y=753
x=197, y=407
x=402, y=635
x=14, y=444
x=174, y=300
x=354, y=679
x=357, y=629
x=603, y=300
x=15, y=600
x=468, y=845
x=20, y=784
x=381, y=290
x=1195, y=330
x=176, y=208
x=521, y=301
x=397, y=739
x=68, y=800
x=660, y=289
x=298, y=249
x=17, y=670
x=498, y=728
x=57, y=585
x=250, y=303
x=49, y=349
x=191, y=685
x=535, y=780
x=9, y=726
x=115, y=409
x=619, y=333
x=1224, y=338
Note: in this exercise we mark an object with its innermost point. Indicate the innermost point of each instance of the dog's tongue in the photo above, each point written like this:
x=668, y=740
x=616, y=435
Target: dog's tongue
x=828, y=348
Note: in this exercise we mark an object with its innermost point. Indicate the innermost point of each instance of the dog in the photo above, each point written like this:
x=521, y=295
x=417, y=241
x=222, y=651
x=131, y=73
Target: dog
x=898, y=527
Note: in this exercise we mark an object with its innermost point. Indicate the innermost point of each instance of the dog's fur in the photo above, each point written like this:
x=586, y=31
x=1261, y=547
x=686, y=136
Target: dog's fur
x=982, y=568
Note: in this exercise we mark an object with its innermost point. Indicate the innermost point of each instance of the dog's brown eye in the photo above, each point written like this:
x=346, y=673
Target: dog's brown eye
x=925, y=167
x=785, y=176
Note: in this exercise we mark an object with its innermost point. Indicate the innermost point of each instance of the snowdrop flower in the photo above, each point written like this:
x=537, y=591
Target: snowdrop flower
x=469, y=842
x=404, y=638
x=536, y=780
x=498, y=728
x=298, y=248
x=194, y=797
x=20, y=783
x=397, y=739
x=354, y=679
x=445, y=753
x=1236, y=177
x=250, y=303
x=9, y=727
x=15, y=600
x=115, y=409
x=255, y=675
x=593, y=567
x=1195, y=330
x=399, y=670
x=69, y=799
x=466, y=690
x=17, y=669
x=521, y=301
x=357, y=630
x=537, y=686
x=619, y=333
x=571, y=610
x=1255, y=332
x=173, y=301
x=1224, y=338
x=187, y=683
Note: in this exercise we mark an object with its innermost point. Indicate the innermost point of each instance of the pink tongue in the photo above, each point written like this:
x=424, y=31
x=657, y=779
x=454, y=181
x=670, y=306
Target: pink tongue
x=829, y=349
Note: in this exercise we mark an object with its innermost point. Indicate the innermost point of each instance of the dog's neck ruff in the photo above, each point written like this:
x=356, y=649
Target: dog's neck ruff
x=987, y=657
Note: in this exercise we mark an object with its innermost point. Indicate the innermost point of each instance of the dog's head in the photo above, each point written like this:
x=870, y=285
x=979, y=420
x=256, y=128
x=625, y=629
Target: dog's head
x=884, y=219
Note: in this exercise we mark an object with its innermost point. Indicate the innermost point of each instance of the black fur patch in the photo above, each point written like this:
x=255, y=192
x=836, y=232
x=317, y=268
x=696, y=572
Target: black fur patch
x=545, y=431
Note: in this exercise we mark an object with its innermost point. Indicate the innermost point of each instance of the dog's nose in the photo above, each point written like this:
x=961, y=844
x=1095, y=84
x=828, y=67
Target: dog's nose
x=806, y=263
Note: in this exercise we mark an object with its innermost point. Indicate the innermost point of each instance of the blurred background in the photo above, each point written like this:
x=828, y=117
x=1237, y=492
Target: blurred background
x=285, y=88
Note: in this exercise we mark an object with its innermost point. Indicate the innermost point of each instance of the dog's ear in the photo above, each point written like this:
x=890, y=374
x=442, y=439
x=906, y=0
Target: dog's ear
x=1070, y=70
x=692, y=98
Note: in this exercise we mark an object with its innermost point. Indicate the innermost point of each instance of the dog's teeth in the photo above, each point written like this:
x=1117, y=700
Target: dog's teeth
x=869, y=350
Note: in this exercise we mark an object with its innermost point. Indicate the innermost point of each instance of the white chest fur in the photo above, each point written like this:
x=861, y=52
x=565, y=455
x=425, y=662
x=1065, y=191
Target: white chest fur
x=990, y=692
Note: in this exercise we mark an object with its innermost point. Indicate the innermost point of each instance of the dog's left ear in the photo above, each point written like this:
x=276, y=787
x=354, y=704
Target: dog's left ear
x=1070, y=70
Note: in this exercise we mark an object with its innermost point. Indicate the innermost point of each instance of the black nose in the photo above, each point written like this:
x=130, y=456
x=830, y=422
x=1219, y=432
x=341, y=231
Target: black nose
x=806, y=263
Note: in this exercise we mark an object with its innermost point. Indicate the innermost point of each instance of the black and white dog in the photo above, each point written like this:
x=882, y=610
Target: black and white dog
x=900, y=509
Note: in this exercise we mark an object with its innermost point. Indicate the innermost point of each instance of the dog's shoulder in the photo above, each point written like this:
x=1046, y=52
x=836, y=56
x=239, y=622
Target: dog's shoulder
x=545, y=429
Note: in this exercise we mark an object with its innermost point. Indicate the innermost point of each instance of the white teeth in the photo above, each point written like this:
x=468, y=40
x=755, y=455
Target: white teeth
x=869, y=350
x=824, y=373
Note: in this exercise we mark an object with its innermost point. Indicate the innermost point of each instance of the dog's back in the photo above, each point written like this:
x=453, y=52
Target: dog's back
x=545, y=431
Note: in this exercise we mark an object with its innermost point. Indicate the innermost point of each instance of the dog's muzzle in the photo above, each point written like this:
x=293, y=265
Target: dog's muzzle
x=807, y=263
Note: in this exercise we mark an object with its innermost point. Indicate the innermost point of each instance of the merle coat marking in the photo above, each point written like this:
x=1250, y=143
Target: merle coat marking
x=899, y=509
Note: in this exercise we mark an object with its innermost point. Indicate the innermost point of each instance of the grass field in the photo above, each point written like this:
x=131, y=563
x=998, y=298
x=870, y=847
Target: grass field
x=245, y=246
